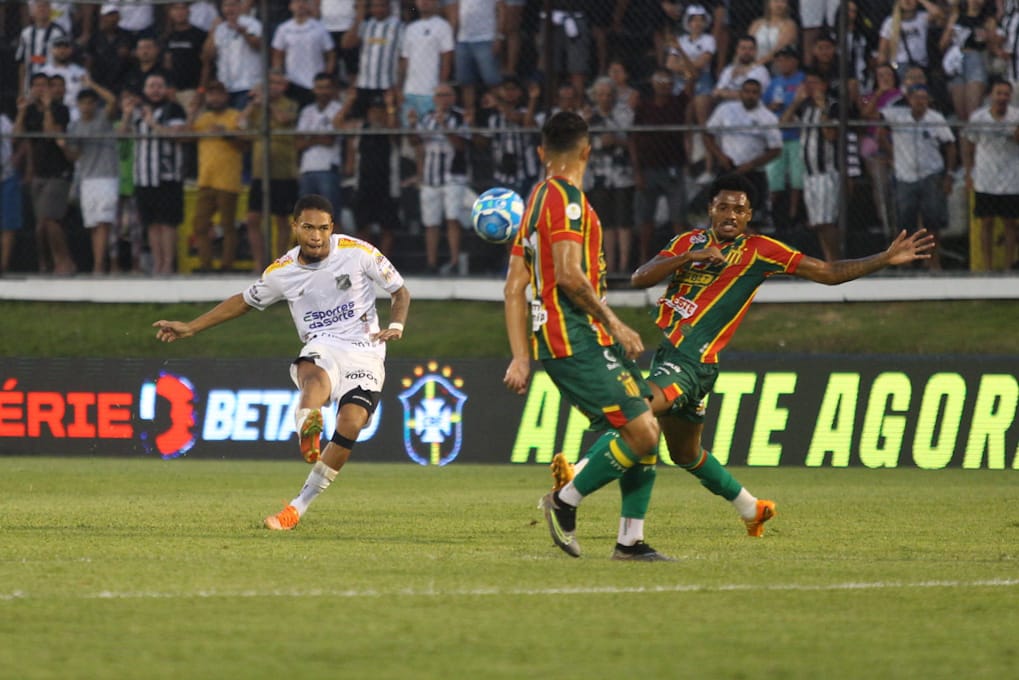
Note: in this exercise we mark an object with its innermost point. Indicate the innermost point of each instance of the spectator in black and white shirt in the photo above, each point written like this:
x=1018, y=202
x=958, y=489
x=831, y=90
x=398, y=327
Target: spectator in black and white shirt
x=33, y=52
x=156, y=118
x=442, y=175
x=513, y=144
x=380, y=36
x=818, y=146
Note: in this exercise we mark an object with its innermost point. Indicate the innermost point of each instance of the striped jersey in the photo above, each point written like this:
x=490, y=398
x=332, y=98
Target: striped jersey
x=158, y=158
x=704, y=304
x=443, y=164
x=380, y=52
x=332, y=301
x=558, y=211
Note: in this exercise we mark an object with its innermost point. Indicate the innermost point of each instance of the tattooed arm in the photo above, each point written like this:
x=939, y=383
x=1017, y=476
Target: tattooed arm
x=571, y=279
x=904, y=249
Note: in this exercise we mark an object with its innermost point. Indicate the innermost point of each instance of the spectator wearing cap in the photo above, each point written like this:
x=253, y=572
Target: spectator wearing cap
x=137, y=18
x=786, y=171
x=108, y=51
x=744, y=137
x=74, y=75
x=35, y=43
x=380, y=36
x=923, y=155
x=374, y=160
x=743, y=67
x=689, y=55
x=773, y=31
x=233, y=48
x=91, y=145
x=302, y=47
x=282, y=180
x=220, y=161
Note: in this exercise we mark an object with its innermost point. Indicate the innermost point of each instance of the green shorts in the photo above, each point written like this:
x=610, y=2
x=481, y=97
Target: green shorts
x=684, y=381
x=788, y=163
x=606, y=386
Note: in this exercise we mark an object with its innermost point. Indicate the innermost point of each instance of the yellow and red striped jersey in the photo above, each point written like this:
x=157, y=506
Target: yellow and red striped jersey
x=704, y=304
x=558, y=211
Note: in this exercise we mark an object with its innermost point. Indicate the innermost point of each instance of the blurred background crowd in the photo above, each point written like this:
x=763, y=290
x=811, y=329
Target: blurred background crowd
x=162, y=137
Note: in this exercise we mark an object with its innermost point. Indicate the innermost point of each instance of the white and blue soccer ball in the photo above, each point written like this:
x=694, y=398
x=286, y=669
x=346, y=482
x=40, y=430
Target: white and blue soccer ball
x=496, y=215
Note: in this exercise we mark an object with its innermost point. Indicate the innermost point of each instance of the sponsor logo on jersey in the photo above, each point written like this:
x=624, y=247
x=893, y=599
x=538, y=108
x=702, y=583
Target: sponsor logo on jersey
x=322, y=319
x=681, y=305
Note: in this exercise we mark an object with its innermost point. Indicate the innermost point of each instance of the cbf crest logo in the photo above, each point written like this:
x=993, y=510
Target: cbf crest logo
x=432, y=414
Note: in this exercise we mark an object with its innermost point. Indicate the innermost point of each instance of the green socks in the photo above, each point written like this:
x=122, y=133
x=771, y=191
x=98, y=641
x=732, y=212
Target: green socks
x=608, y=459
x=714, y=476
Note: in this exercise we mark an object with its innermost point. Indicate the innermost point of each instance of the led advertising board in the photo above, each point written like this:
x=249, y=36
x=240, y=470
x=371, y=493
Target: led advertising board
x=766, y=411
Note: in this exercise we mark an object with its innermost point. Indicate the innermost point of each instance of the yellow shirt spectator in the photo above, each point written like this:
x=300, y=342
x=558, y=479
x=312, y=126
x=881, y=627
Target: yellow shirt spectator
x=219, y=158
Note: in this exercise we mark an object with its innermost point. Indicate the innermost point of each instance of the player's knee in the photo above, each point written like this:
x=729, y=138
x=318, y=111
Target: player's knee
x=643, y=436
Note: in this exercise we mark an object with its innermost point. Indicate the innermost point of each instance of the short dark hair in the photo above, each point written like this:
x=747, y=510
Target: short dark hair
x=312, y=202
x=998, y=80
x=324, y=76
x=746, y=37
x=88, y=93
x=36, y=76
x=734, y=182
x=563, y=132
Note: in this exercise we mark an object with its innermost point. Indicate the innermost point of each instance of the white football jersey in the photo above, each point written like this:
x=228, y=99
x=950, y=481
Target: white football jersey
x=332, y=301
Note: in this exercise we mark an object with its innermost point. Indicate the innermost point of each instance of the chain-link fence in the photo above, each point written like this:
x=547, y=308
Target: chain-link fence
x=175, y=137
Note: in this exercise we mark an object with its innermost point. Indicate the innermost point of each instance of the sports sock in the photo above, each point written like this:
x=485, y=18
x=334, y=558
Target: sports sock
x=608, y=458
x=745, y=504
x=630, y=531
x=319, y=479
x=635, y=488
x=300, y=415
x=714, y=476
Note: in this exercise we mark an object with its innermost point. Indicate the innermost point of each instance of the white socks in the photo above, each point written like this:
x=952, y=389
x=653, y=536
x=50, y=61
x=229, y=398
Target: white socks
x=630, y=531
x=745, y=504
x=319, y=479
x=300, y=415
x=569, y=494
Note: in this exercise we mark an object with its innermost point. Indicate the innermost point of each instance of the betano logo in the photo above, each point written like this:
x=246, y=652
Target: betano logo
x=432, y=414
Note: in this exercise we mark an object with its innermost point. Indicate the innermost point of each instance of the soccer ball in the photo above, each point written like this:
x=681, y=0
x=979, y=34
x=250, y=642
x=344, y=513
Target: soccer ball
x=496, y=215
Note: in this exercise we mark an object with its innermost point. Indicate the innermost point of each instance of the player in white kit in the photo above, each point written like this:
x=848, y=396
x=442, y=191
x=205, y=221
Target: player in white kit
x=328, y=280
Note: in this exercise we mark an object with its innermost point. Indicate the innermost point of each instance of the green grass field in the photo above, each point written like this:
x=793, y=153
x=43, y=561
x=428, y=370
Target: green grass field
x=144, y=569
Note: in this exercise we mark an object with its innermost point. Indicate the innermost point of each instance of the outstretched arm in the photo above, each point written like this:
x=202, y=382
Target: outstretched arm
x=903, y=250
x=231, y=308
x=399, y=306
x=515, y=295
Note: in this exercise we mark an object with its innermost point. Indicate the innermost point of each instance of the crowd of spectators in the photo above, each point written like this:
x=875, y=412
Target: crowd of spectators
x=400, y=111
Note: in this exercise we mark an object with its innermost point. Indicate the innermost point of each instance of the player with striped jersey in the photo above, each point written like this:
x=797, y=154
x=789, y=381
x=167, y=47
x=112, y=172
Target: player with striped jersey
x=585, y=349
x=329, y=281
x=713, y=275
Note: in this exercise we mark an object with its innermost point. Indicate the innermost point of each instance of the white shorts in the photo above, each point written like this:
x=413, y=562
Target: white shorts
x=347, y=370
x=814, y=13
x=821, y=196
x=448, y=202
x=99, y=201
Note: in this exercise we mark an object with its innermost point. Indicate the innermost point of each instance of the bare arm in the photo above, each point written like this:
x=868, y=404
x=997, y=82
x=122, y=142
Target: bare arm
x=571, y=279
x=515, y=296
x=231, y=308
x=399, y=306
x=903, y=250
x=660, y=267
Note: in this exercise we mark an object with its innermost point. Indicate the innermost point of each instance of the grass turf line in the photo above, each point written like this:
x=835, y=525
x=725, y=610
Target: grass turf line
x=139, y=568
